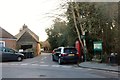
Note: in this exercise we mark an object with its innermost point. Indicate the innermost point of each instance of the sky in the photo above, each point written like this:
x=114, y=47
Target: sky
x=34, y=13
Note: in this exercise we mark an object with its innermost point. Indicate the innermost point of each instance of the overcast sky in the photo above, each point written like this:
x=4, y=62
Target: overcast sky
x=15, y=13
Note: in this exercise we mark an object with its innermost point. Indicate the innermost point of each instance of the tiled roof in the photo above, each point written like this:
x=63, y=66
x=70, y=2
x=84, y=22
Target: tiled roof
x=19, y=35
x=5, y=34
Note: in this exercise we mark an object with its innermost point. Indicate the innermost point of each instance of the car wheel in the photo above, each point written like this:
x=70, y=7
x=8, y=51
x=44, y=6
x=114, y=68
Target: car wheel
x=19, y=58
x=59, y=61
x=53, y=59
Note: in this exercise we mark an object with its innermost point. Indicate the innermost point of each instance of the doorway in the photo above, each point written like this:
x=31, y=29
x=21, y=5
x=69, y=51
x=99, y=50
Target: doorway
x=24, y=47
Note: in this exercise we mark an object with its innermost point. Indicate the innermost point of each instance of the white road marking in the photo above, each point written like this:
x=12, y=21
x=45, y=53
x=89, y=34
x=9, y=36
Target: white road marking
x=78, y=68
x=66, y=66
x=115, y=72
x=55, y=65
x=44, y=65
x=24, y=64
x=4, y=64
x=13, y=64
x=42, y=62
x=34, y=64
x=45, y=57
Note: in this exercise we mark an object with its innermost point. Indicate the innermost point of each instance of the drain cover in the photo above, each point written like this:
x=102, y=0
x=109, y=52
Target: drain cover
x=42, y=75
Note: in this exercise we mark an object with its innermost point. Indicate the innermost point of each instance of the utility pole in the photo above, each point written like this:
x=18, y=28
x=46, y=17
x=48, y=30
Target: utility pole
x=85, y=48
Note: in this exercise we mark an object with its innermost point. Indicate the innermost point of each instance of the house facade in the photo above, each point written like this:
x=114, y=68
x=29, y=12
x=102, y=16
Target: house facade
x=46, y=46
x=27, y=40
x=7, y=39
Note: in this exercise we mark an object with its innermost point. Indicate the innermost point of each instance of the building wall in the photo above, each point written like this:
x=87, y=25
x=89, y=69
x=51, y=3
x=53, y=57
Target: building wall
x=27, y=39
x=35, y=47
x=38, y=48
x=10, y=44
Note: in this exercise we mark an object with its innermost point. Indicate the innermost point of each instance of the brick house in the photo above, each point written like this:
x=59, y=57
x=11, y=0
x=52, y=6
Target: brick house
x=7, y=39
x=46, y=46
x=27, y=40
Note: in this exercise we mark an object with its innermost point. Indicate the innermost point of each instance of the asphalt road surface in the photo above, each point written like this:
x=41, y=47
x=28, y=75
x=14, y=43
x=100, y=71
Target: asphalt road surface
x=42, y=66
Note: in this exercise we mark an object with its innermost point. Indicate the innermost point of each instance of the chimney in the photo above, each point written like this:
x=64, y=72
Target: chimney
x=24, y=26
x=20, y=30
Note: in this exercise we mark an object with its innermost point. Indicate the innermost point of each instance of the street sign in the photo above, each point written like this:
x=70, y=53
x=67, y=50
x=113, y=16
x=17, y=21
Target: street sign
x=97, y=46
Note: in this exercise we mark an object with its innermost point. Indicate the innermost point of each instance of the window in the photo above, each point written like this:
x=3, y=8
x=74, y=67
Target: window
x=2, y=43
x=7, y=50
x=58, y=51
x=11, y=50
x=70, y=50
x=2, y=49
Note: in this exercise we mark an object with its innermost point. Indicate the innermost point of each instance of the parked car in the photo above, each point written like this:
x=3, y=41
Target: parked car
x=42, y=49
x=28, y=53
x=65, y=54
x=8, y=54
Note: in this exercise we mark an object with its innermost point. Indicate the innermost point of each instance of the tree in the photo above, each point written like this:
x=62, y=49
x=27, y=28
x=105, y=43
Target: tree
x=57, y=34
x=98, y=19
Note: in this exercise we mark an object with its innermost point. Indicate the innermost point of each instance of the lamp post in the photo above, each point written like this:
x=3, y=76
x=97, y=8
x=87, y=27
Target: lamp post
x=106, y=37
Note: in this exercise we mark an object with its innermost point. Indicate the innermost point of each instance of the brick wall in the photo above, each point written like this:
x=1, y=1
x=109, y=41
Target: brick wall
x=38, y=48
x=10, y=43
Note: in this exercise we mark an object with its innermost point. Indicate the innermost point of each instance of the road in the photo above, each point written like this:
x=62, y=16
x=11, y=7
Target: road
x=43, y=67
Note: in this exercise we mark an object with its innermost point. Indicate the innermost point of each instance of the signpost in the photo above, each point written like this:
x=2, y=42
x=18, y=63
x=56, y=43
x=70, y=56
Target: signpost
x=85, y=48
x=98, y=48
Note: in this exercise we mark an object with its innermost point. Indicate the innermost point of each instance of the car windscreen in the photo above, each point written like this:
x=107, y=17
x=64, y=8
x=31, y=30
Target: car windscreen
x=70, y=50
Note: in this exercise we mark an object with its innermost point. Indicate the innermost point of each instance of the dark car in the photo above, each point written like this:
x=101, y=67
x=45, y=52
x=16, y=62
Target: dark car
x=65, y=54
x=8, y=54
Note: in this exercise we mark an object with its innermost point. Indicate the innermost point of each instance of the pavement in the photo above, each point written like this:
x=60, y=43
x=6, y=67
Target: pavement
x=100, y=66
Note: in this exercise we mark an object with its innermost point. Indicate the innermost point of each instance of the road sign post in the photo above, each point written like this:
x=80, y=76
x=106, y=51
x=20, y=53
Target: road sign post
x=85, y=48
